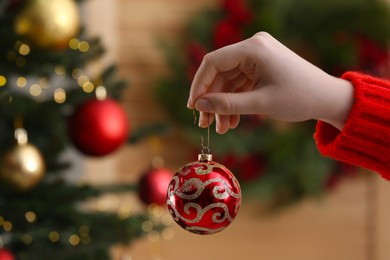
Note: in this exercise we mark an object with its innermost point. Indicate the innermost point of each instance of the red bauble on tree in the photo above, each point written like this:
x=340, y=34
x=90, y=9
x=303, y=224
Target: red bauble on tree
x=98, y=127
x=204, y=196
x=153, y=186
x=6, y=254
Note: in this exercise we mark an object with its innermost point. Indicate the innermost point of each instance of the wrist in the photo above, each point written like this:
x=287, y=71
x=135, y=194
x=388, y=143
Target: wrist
x=338, y=102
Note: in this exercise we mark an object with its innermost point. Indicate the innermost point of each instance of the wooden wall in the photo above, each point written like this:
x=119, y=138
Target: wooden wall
x=334, y=228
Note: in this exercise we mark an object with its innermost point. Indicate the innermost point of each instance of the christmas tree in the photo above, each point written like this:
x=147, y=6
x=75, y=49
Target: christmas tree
x=49, y=101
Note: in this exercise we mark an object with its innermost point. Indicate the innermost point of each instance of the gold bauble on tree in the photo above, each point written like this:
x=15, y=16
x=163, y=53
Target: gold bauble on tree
x=23, y=166
x=48, y=24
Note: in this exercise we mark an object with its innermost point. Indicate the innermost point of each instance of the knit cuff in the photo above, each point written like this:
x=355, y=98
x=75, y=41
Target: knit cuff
x=365, y=138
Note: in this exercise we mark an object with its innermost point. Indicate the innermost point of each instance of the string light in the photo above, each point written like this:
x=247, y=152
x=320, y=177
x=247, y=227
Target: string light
x=74, y=44
x=155, y=210
x=17, y=45
x=59, y=70
x=43, y=82
x=30, y=216
x=74, y=240
x=59, y=95
x=88, y=87
x=108, y=203
x=166, y=220
x=54, y=236
x=125, y=212
x=147, y=226
x=84, y=46
x=82, y=79
x=84, y=233
x=24, y=49
x=35, y=90
x=7, y=226
x=86, y=240
x=3, y=80
x=21, y=82
x=76, y=74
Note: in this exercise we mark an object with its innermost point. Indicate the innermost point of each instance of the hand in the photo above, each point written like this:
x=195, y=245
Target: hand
x=262, y=76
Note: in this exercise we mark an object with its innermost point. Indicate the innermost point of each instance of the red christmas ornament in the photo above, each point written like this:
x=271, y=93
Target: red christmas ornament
x=98, y=127
x=153, y=186
x=204, y=196
x=6, y=254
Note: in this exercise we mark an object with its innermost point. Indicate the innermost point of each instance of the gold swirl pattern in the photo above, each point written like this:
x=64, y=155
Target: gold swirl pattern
x=216, y=218
x=202, y=169
x=199, y=186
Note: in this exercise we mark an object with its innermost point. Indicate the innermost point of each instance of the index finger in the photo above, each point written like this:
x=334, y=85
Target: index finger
x=221, y=60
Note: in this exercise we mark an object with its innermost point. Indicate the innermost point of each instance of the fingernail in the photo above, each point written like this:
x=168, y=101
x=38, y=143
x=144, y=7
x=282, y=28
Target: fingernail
x=201, y=122
x=203, y=105
x=217, y=127
x=189, y=103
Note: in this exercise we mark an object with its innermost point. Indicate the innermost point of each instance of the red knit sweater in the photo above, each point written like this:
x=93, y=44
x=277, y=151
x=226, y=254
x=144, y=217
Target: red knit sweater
x=365, y=138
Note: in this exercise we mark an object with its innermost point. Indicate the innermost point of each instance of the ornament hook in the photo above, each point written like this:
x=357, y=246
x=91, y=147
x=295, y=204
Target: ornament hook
x=204, y=147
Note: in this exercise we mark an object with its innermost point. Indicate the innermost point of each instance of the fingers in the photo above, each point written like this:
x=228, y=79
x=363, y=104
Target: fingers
x=205, y=119
x=223, y=122
x=220, y=61
x=222, y=73
x=234, y=121
x=226, y=81
x=231, y=103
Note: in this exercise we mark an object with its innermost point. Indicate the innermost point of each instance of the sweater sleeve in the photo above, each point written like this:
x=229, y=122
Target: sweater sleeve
x=365, y=137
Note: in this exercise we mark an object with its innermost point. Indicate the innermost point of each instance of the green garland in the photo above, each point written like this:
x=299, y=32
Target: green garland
x=275, y=162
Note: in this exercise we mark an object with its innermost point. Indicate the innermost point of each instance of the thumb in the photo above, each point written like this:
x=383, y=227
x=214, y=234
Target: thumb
x=227, y=103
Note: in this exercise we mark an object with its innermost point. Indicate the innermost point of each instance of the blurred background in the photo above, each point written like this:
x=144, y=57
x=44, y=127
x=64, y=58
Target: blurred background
x=93, y=125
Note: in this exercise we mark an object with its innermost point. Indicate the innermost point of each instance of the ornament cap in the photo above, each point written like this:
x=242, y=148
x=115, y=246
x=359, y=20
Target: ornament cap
x=204, y=157
x=21, y=136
